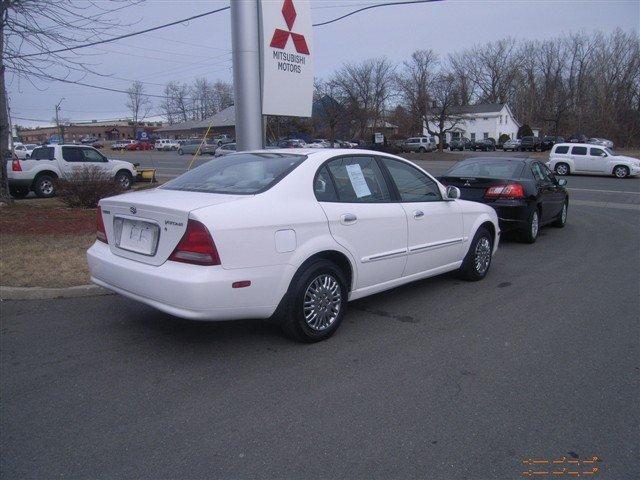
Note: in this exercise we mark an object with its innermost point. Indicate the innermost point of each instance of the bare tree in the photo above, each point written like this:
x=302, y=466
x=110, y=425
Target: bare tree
x=328, y=114
x=222, y=95
x=31, y=34
x=413, y=84
x=442, y=117
x=175, y=105
x=138, y=104
x=202, y=99
x=492, y=68
x=364, y=89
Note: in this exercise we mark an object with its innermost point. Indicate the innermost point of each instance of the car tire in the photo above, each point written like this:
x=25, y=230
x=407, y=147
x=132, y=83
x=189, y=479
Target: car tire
x=476, y=263
x=180, y=152
x=422, y=150
x=561, y=219
x=530, y=233
x=44, y=185
x=562, y=169
x=18, y=191
x=124, y=179
x=326, y=279
x=620, y=171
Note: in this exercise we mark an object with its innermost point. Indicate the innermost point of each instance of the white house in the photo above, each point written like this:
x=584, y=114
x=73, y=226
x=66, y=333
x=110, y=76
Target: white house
x=487, y=120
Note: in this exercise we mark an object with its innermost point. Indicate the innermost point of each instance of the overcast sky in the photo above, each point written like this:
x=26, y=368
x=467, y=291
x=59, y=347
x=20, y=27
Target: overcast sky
x=203, y=47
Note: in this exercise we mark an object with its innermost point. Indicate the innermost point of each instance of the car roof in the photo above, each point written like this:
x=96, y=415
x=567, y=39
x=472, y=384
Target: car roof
x=498, y=159
x=575, y=144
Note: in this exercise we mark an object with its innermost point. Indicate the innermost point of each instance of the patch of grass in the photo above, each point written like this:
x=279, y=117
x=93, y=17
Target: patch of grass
x=44, y=260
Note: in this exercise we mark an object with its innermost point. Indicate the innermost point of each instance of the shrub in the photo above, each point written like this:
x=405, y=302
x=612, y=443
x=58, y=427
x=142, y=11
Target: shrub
x=525, y=131
x=85, y=187
x=503, y=138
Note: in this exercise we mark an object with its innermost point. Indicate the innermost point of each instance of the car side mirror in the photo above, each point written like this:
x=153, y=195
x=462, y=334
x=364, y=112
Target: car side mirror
x=562, y=182
x=453, y=193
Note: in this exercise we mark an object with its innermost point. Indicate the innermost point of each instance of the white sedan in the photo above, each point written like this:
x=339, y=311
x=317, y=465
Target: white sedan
x=289, y=235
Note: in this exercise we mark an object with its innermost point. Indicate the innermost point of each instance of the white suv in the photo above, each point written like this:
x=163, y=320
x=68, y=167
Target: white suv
x=166, y=144
x=48, y=163
x=566, y=158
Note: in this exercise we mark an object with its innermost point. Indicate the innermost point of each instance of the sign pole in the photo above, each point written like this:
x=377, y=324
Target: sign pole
x=245, y=39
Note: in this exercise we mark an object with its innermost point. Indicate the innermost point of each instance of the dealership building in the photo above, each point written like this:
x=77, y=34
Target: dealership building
x=75, y=132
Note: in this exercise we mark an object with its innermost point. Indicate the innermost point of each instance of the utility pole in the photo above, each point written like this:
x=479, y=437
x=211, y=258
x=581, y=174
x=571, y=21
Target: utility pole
x=245, y=39
x=60, y=129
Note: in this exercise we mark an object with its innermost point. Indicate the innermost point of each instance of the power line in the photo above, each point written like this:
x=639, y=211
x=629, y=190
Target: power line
x=120, y=37
x=370, y=7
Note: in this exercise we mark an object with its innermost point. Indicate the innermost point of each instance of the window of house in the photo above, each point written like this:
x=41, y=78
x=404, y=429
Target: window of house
x=485, y=118
x=485, y=135
x=473, y=137
x=500, y=119
x=506, y=118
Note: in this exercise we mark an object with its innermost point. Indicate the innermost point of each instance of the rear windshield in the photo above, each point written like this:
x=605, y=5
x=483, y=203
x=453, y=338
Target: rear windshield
x=238, y=173
x=486, y=169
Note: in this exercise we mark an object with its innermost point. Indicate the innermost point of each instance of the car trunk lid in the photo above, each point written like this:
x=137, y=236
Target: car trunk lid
x=472, y=188
x=146, y=226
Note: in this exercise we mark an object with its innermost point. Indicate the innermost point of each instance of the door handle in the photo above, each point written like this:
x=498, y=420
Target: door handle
x=418, y=214
x=348, y=219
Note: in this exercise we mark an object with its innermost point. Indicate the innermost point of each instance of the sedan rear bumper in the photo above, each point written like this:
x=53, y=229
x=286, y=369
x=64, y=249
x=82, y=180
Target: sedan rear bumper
x=512, y=214
x=189, y=291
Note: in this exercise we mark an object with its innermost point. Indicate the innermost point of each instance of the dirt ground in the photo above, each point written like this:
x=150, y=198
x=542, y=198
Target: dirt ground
x=43, y=244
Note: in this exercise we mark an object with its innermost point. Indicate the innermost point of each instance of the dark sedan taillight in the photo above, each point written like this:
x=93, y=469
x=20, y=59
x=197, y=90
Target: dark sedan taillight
x=510, y=190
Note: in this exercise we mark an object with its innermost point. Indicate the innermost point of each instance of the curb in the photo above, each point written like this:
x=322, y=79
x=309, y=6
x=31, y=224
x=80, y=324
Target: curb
x=41, y=293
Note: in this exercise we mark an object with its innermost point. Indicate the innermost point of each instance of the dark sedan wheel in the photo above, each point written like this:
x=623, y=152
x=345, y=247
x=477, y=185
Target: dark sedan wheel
x=561, y=219
x=476, y=263
x=530, y=233
x=314, y=306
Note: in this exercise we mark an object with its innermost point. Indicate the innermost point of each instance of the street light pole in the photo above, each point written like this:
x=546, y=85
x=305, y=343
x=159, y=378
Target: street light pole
x=245, y=39
x=60, y=132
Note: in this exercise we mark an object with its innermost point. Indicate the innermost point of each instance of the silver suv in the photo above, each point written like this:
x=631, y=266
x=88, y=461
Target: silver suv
x=418, y=144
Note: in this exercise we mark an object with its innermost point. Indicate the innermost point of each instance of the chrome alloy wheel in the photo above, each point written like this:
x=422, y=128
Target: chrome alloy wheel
x=46, y=187
x=534, y=225
x=322, y=302
x=562, y=169
x=620, y=172
x=483, y=255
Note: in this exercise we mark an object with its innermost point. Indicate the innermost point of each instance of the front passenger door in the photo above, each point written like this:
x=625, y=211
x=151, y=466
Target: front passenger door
x=598, y=160
x=435, y=224
x=364, y=217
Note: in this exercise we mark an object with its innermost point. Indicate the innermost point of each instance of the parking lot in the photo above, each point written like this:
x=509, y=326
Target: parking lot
x=439, y=379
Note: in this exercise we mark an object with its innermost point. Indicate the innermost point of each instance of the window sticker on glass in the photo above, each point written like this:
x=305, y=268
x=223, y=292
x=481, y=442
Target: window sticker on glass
x=358, y=181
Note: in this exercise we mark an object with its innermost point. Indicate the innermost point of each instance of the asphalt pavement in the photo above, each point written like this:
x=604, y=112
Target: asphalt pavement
x=440, y=379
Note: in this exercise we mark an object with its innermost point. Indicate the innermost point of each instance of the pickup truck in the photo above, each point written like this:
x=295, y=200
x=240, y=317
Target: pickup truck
x=48, y=163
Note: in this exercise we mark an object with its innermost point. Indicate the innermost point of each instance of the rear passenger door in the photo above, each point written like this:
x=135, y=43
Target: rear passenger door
x=364, y=217
x=434, y=225
x=580, y=159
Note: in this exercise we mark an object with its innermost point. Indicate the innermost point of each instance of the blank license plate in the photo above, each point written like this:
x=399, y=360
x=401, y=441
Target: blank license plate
x=136, y=235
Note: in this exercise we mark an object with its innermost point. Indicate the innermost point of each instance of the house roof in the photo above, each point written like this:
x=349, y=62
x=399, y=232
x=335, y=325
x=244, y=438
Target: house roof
x=480, y=108
x=224, y=118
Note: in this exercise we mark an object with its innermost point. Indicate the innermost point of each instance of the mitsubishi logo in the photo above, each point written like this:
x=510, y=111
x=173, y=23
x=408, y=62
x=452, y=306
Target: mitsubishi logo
x=133, y=209
x=280, y=37
x=467, y=183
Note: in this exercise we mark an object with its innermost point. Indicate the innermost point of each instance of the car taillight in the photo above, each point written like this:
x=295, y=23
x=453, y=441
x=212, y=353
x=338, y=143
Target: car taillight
x=101, y=233
x=196, y=246
x=510, y=190
x=15, y=165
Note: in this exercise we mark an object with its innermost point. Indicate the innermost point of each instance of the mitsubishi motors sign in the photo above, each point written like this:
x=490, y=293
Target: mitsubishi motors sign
x=287, y=58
